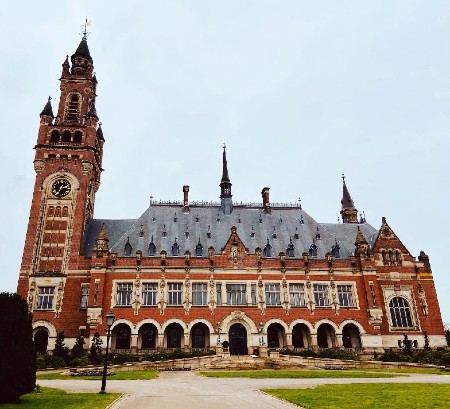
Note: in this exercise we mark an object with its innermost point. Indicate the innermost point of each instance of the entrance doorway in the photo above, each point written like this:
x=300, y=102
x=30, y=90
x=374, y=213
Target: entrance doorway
x=238, y=340
x=41, y=341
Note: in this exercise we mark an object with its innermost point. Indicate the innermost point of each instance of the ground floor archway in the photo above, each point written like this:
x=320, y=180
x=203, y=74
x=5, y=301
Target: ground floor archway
x=41, y=340
x=351, y=337
x=301, y=336
x=326, y=336
x=173, y=335
x=200, y=336
x=276, y=337
x=121, y=337
x=238, y=340
x=147, y=337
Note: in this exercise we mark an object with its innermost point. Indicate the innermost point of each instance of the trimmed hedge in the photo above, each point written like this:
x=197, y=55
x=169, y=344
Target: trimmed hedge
x=323, y=353
x=439, y=356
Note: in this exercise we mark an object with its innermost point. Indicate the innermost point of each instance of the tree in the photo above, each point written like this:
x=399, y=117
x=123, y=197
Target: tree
x=78, y=349
x=447, y=333
x=60, y=347
x=17, y=354
x=96, y=348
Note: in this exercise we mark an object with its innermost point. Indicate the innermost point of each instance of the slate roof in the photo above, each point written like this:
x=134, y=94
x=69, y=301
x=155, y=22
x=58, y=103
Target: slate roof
x=284, y=222
x=83, y=50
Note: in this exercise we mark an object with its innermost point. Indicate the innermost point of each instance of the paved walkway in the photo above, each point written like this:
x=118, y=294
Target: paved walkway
x=189, y=390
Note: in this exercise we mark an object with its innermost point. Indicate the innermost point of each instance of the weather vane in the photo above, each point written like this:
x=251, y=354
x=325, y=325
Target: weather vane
x=84, y=27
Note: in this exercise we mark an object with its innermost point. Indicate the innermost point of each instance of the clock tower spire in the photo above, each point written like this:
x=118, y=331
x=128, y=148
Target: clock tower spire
x=68, y=165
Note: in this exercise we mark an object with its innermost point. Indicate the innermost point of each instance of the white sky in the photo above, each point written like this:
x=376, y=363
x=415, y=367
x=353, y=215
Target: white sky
x=301, y=92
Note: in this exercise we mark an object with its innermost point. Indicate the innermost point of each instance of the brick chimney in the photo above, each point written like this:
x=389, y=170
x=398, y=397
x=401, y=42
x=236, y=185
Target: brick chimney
x=186, y=199
x=266, y=200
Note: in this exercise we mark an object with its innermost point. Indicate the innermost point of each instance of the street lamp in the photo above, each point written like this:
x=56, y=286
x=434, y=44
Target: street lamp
x=110, y=317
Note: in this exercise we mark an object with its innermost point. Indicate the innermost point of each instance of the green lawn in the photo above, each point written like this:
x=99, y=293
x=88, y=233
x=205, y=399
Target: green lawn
x=120, y=376
x=368, y=396
x=299, y=374
x=425, y=371
x=56, y=398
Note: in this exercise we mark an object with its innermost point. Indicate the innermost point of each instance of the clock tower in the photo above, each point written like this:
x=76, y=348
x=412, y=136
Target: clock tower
x=68, y=165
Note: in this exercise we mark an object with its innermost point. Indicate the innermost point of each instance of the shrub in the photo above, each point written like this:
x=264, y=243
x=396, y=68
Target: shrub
x=17, y=354
x=225, y=344
x=96, y=349
x=337, y=354
x=49, y=361
x=80, y=361
x=392, y=356
x=78, y=348
x=307, y=353
x=60, y=347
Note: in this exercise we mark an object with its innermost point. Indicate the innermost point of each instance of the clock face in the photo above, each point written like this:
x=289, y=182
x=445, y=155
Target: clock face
x=61, y=187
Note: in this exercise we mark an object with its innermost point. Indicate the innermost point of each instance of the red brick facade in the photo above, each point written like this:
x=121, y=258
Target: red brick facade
x=366, y=299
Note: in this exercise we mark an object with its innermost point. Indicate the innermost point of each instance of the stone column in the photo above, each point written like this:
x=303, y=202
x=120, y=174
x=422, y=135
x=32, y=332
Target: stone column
x=314, y=345
x=133, y=344
x=160, y=341
x=186, y=342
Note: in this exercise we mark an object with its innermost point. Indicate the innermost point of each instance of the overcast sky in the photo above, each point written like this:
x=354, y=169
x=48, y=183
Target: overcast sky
x=301, y=91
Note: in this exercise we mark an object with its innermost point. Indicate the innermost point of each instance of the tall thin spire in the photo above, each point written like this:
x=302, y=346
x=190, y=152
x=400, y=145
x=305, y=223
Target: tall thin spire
x=349, y=212
x=225, y=186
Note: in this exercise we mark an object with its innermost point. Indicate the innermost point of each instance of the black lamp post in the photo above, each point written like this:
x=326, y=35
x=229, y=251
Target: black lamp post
x=110, y=317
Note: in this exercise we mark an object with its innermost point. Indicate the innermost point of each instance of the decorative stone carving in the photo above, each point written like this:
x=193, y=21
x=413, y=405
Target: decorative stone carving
x=59, y=296
x=334, y=298
x=39, y=165
x=212, y=294
x=31, y=294
x=187, y=295
x=423, y=300
x=162, y=295
x=137, y=295
x=309, y=296
x=375, y=317
x=285, y=295
x=94, y=316
x=86, y=167
x=261, y=303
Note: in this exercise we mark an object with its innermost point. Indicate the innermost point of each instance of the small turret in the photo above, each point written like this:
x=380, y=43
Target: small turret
x=361, y=245
x=225, y=186
x=101, y=242
x=47, y=113
x=349, y=213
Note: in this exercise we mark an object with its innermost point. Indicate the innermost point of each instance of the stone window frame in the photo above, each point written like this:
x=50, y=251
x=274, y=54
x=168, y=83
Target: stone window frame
x=177, y=291
x=326, y=292
x=203, y=292
x=154, y=291
x=299, y=291
x=114, y=293
x=351, y=292
x=406, y=292
x=40, y=296
x=271, y=289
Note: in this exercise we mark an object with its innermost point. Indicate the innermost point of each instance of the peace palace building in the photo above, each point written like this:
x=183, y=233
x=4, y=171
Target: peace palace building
x=192, y=275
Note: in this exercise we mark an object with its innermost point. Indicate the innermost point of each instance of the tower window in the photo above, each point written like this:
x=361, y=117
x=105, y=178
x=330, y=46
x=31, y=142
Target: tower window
x=77, y=137
x=66, y=137
x=84, y=297
x=54, y=137
x=72, y=108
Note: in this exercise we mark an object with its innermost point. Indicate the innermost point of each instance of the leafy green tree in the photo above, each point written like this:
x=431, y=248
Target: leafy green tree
x=96, y=348
x=17, y=354
x=60, y=347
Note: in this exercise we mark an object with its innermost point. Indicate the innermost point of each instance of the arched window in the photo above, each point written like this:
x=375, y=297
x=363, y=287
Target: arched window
x=383, y=256
x=65, y=211
x=72, y=110
x=398, y=258
x=77, y=137
x=400, y=313
x=66, y=137
x=50, y=211
x=54, y=137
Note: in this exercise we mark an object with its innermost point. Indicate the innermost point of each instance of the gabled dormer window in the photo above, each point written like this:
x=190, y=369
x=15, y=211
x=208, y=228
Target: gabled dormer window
x=199, y=249
x=313, y=250
x=175, y=248
x=290, y=249
x=335, y=250
x=267, y=251
x=151, y=248
x=128, y=248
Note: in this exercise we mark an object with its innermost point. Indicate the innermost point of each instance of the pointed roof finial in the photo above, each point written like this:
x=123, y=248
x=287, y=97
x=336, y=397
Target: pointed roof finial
x=84, y=27
x=225, y=176
x=347, y=201
x=102, y=235
x=48, y=108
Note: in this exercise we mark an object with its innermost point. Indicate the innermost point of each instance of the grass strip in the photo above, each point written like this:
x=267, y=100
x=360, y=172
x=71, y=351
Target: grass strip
x=57, y=398
x=118, y=376
x=368, y=396
x=305, y=374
